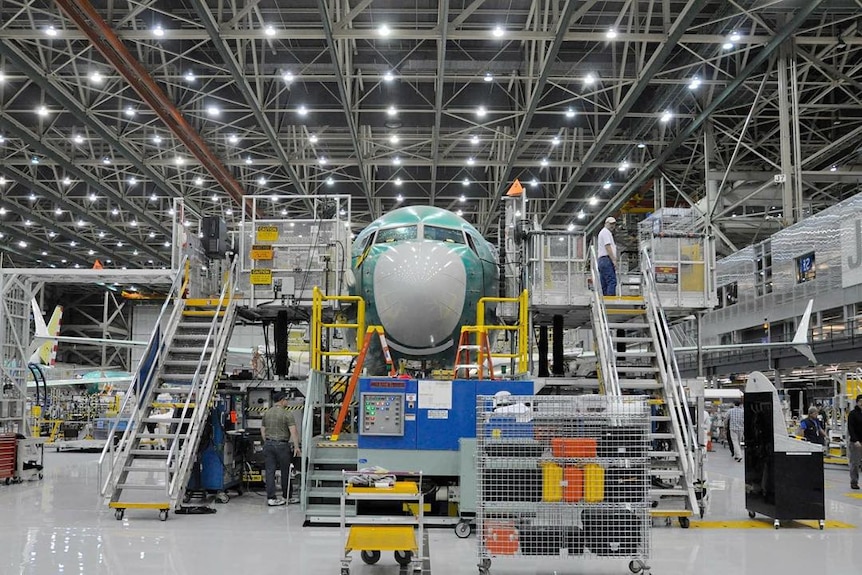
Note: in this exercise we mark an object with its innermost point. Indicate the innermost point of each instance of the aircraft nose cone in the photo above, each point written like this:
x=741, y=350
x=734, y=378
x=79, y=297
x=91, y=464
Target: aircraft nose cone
x=419, y=292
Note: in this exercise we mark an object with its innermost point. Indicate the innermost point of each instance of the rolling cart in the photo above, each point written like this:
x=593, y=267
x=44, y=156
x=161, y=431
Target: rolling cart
x=370, y=535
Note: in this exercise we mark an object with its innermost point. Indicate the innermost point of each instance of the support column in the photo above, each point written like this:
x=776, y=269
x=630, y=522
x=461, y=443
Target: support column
x=785, y=180
x=559, y=362
x=542, y=347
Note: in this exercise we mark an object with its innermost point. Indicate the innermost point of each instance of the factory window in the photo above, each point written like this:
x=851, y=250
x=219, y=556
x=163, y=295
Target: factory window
x=727, y=295
x=763, y=268
x=805, y=271
x=471, y=241
x=443, y=234
x=398, y=234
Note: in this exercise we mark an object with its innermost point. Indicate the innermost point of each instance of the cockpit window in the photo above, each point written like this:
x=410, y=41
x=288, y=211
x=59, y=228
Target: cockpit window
x=444, y=234
x=398, y=234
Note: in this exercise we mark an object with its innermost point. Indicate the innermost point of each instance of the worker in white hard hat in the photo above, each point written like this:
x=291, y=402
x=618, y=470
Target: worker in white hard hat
x=606, y=249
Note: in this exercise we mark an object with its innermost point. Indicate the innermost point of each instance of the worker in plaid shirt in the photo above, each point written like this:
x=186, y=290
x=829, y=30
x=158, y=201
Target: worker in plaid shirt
x=736, y=427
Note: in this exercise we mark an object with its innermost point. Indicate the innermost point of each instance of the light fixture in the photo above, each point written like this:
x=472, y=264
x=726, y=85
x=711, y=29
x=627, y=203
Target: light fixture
x=119, y=244
x=284, y=212
x=544, y=162
x=534, y=182
x=106, y=160
x=67, y=181
x=2, y=138
x=611, y=34
x=833, y=168
x=157, y=139
x=232, y=139
x=51, y=31
x=474, y=140
x=462, y=198
x=624, y=165
x=28, y=223
x=734, y=36
x=396, y=161
x=154, y=198
x=214, y=198
x=287, y=77
x=555, y=141
x=132, y=181
x=498, y=32
x=269, y=31
x=34, y=160
x=398, y=181
x=570, y=227
x=570, y=113
x=134, y=223
x=81, y=223
x=322, y=160
x=302, y=111
x=97, y=78
x=101, y=234
x=93, y=197
x=481, y=111
x=213, y=111
x=261, y=181
x=22, y=244
x=135, y=252
x=2, y=180
x=179, y=160
x=394, y=139
x=313, y=138
x=399, y=198
x=459, y=213
x=727, y=45
x=589, y=80
x=130, y=112
x=58, y=212
x=392, y=111
x=641, y=145
x=158, y=31
x=199, y=181
x=471, y=161
x=274, y=198
x=384, y=30
x=665, y=118
x=489, y=77
x=248, y=160
x=167, y=244
x=190, y=76
x=465, y=182
x=330, y=182
x=388, y=77
x=42, y=111
x=606, y=186
x=2, y=77
x=115, y=212
x=52, y=234
x=594, y=200
x=91, y=253
x=694, y=84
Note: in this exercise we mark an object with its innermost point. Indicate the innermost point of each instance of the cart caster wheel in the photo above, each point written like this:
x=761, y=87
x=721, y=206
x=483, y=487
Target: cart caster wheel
x=462, y=529
x=636, y=565
x=222, y=498
x=404, y=557
x=684, y=522
x=369, y=557
x=751, y=514
x=40, y=475
x=118, y=514
x=776, y=524
x=8, y=481
x=163, y=515
x=187, y=498
x=821, y=524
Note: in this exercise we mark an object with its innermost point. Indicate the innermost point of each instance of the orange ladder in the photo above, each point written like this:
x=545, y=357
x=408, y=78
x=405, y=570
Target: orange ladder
x=482, y=347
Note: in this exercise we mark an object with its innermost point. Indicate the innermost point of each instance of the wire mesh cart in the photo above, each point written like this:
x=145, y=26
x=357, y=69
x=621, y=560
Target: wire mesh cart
x=564, y=477
x=402, y=534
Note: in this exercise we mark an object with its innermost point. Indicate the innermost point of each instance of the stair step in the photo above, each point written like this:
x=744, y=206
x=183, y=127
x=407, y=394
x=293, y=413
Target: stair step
x=192, y=363
x=167, y=419
x=149, y=453
x=628, y=339
x=635, y=354
x=664, y=454
x=177, y=377
x=658, y=418
x=148, y=435
x=347, y=459
x=665, y=473
x=627, y=325
x=636, y=369
x=639, y=383
x=657, y=435
x=665, y=492
x=325, y=492
x=324, y=510
x=174, y=390
x=327, y=474
x=138, y=487
x=624, y=311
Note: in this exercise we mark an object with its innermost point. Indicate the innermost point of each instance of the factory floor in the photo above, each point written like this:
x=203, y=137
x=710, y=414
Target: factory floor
x=59, y=525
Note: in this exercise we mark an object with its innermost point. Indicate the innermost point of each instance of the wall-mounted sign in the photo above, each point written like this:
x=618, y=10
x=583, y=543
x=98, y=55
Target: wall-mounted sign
x=666, y=274
x=261, y=277
x=261, y=252
x=266, y=234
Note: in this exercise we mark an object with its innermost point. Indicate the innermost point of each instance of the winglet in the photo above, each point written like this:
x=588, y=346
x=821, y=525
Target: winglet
x=46, y=353
x=800, y=338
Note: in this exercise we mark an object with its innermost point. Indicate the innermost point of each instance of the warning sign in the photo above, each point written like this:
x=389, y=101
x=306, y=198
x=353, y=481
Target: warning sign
x=261, y=277
x=266, y=234
x=261, y=252
x=666, y=274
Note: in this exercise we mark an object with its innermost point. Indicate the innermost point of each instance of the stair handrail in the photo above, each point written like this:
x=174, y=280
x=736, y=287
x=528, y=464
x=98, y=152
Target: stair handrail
x=602, y=331
x=314, y=396
x=137, y=389
x=675, y=393
x=201, y=388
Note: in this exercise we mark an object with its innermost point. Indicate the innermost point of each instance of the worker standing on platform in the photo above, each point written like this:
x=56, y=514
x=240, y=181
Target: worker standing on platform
x=735, y=428
x=854, y=437
x=280, y=444
x=607, y=254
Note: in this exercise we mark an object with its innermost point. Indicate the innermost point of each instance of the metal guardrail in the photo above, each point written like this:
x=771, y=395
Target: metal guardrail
x=675, y=394
x=112, y=454
x=602, y=332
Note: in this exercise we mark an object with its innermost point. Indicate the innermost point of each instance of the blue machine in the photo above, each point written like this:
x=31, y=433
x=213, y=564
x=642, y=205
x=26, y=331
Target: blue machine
x=410, y=414
x=217, y=467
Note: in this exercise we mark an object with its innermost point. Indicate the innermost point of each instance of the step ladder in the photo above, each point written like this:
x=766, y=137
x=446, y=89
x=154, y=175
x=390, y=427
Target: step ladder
x=633, y=360
x=154, y=457
x=474, y=339
x=323, y=486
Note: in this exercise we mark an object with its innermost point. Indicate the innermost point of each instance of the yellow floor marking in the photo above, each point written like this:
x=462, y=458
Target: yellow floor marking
x=854, y=495
x=766, y=523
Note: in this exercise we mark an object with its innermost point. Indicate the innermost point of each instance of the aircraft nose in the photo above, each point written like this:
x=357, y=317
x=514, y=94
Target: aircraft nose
x=419, y=292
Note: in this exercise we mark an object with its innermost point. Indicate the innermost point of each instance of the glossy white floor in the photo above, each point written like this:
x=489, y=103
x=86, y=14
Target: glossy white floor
x=59, y=525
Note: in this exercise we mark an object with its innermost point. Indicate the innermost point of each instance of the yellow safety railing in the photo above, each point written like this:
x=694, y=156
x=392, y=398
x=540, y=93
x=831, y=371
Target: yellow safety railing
x=522, y=353
x=318, y=325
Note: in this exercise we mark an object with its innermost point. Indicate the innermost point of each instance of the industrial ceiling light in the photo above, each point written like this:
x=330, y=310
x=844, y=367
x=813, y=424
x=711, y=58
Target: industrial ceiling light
x=27, y=223
x=51, y=31
x=179, y=160
x=302, y=111
x=471, y=161
x=694, y=84
x=134, y=223
x=398, y=181
x=106, y=160
x=2, y=77
x=727, y=45
x=157, y=139
x=67, y=181
x=481, y=111
x=624, y=165
x=544, y=162
x=214, y=198
x=498, y=32
x=154, y=198
x=199, y=181
x=213, y=111
x=641, y=145
x=313, y=138
x=101, y=234
x=322, y=160
x=489, y=77
x=594, y=200
x=22, y=244
x=58, y=212
x=93, y=197
x=833, y=168
x=606, y=185
x=392, y=111
x=462, y=198
x=665, y=118
x=459, y=213
x=132, y=181
x=384, y=30
x=228, y=212
x=248, y=160
x=81, y=223
x=190, y=76
x=42, y=111
x=97, y=78
x=91, y=253
x=465, y=182
x=474, y=140
x=589, y=79
x=534, y=182
x=570, y=227
x=269, y=30
x=2, y=180
x=611, y=34
x=78, y=139
x=130, y=112
x=330, y=182
x=570, y=113
x=2, y=138
x=734, y=36
x=555, y=141
x=394, y=139
x=399, y=198
x=158, y=31
x=261, y=181
x=287, y=77
x=388, y=77
x=52, y=234
x=233, y=139
x=119, y=244
x=396, y=161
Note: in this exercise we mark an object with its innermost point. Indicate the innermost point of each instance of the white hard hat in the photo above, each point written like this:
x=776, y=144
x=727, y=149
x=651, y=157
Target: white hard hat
x=610, y=220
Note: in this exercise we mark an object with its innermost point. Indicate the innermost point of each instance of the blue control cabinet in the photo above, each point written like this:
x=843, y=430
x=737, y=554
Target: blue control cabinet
x=434, y=415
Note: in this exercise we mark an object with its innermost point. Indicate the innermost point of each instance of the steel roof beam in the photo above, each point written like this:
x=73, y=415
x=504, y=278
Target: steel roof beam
x=753, y=65
x=443, y=23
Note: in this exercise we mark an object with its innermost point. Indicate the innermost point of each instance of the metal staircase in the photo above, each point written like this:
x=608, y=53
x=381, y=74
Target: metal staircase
x=167, y=406
x=636, y=357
